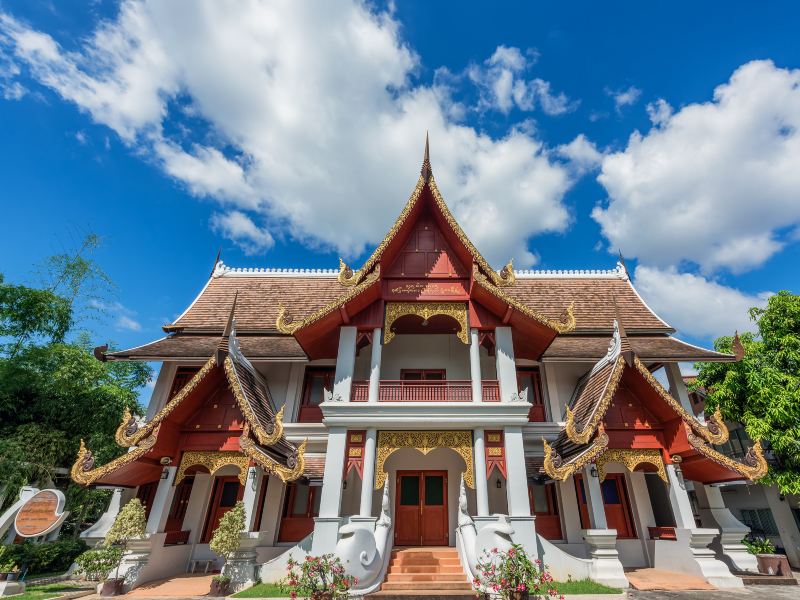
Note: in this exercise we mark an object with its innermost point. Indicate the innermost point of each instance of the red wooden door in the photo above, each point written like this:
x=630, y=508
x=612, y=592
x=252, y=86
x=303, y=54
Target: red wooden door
x=421, y=509
x=227, y=491
x=615, y=504
x=180, y=501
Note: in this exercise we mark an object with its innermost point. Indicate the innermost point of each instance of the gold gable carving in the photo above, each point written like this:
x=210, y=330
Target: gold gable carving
x=390, y=442
x=426, y=310
x=213, y=461
x=630, y=458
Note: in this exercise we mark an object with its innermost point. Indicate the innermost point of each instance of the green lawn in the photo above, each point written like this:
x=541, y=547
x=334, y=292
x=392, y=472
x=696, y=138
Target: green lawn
x=584, y=586
x=42, y=592
x=263, y=590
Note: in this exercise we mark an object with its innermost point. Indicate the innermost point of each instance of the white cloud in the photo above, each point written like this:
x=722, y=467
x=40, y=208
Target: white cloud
x=715, y=183
x=696, y=305
x=240, y=228
x=502, y=84
x=659, y=111
x=299, y=136
x=582, y=153
x=623, y=98
x=122, y=316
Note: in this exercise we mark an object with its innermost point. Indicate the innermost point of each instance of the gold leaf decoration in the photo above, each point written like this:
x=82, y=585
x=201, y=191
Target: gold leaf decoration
x=426, y=310
x=390, y=442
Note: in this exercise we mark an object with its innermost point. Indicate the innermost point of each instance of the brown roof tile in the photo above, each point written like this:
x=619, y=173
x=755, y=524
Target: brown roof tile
x=648, y=348
x=185, y=346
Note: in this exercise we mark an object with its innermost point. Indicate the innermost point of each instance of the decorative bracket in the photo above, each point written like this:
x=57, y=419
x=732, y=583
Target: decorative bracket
x=426, y=310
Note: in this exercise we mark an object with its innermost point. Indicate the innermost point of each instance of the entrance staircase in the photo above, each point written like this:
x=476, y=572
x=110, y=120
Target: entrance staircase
x=429, y=572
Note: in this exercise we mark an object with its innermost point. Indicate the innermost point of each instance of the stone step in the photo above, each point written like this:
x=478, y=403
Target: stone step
x=428, y=555
x=426, y=577
x=428, y=594
x=403, y=568
x=393, y=586
x=414, y=560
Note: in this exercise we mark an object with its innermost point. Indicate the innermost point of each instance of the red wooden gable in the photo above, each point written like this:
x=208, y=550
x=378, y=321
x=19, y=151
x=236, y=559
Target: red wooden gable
x=427, y=253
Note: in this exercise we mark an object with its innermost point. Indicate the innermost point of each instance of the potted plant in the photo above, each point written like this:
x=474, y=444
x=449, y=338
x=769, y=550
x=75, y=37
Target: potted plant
x=9, y=571
x=769, y=563
x=226, y=541
x=96, y=564
x=512, y=575
x=129, y=525
x=318, y=578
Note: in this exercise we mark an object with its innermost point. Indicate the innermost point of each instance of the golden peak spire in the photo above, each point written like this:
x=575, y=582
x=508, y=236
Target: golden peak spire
x=426, y=170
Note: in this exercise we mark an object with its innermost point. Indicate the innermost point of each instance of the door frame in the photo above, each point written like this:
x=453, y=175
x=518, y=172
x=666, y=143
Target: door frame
x=421, y=474
x=213, y=505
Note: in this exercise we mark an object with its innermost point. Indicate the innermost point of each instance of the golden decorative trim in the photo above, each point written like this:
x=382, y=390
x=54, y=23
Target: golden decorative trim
x=557, y=469
x=213, y=461
x=354, y=452
x=263, y=435
x=581, y=437
x=753, y=465
x=564, y=325
x=346, y=275
x=390, y=442
x=426, y=310
x=630, y=458
x=287, y=325
x=356, y=438
x=492, y=437
x=83, y=472
x=296, y=463
x=715, y=432
x=130, y=434
x=495, y=451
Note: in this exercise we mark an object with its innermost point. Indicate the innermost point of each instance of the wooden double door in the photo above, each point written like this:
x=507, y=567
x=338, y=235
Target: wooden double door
x=421, y=509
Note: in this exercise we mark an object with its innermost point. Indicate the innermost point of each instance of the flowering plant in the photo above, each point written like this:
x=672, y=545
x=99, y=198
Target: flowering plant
x=511, y=574
x=318, y=577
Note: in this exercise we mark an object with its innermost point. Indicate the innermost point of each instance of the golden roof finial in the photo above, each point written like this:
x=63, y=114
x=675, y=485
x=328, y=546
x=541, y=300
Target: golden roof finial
x=426, y=170
x=737, y=347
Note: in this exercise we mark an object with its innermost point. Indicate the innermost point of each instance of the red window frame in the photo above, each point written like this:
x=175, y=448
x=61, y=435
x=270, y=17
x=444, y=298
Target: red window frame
x=424, y=374
x=296, y=526
x=548, y=523
x=310, y=412
x=535, y=395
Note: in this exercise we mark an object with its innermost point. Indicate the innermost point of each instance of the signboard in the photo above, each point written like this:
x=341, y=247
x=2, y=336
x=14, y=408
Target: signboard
x=416, y=289
x=41, y=514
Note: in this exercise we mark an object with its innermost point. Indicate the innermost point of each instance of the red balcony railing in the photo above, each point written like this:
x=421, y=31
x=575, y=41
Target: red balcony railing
x=448, y=390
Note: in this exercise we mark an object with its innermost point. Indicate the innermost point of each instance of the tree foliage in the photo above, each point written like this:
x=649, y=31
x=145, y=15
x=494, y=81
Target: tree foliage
x=762, y=391
x=53, y=392
x=226, y=538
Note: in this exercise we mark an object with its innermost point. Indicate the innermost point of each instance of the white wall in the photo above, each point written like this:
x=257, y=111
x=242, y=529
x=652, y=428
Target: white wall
x=561, y=381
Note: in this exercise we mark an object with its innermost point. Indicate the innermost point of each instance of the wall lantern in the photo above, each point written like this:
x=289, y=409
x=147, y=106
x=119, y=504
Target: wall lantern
x=499, y=484
x=593, y=471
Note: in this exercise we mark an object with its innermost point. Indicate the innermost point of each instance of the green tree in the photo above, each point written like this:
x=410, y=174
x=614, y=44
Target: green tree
x=762, y=391
x=53, y=391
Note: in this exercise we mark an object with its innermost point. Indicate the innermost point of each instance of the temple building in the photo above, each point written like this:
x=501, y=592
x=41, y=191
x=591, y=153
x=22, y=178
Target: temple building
x=427, y=400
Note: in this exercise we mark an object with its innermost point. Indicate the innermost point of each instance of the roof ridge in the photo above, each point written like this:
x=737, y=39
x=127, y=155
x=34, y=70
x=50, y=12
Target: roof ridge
x=222, y=270
x=618, y=272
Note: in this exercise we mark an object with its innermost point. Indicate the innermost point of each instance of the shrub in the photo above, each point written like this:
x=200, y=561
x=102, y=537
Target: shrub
x=759, y=545
x=316, y=576
x=130, y=524
x=47, y=557
x=226, y=538
x=512, y=573
x=97, y=564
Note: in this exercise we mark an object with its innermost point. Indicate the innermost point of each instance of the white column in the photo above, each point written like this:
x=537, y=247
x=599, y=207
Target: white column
x=594, y=499
x=251, y=495
x=162, y=501
x=375, y=366
x=506, y=367
x=368, y=479
x=677, y=387
x=326, y=526
x=787, y=527
x=475, y=367
x=517, y=483
x=273, y=509
x=345, y=361
x=679, y=500
x=481, y=489
x=729, y=547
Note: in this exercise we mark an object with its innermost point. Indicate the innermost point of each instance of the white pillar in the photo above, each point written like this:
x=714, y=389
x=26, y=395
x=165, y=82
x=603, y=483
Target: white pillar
x=787, y=526
x=677, y=387
x=345, y=361
x=594, y=499
x=729, y=547
x=375, y=366
x=326, y=526
x=475, y=367
x=252, y=488
x=679, y=500
x=506, y=367
x=517, y=482
x=368, y=470
x=481, y=488
x=162, y=501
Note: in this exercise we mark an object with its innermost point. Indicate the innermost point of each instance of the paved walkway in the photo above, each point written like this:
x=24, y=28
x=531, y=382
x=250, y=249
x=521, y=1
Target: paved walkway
x=658, y=579
x=176, y=587
x=750, y=592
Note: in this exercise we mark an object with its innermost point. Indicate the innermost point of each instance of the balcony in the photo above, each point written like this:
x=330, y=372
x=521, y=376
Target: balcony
x=447, y=390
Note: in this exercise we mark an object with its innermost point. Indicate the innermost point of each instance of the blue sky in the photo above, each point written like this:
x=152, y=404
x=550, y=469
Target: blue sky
x=288, y=135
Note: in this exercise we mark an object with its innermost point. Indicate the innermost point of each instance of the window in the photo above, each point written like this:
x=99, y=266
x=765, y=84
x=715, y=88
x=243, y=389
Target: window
x=760, y=521
x=422, y=375
x=531, y=379
x=544, y=505
x=318, y=379
x=300, y=506
x=182, y=377
x=737, y=445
